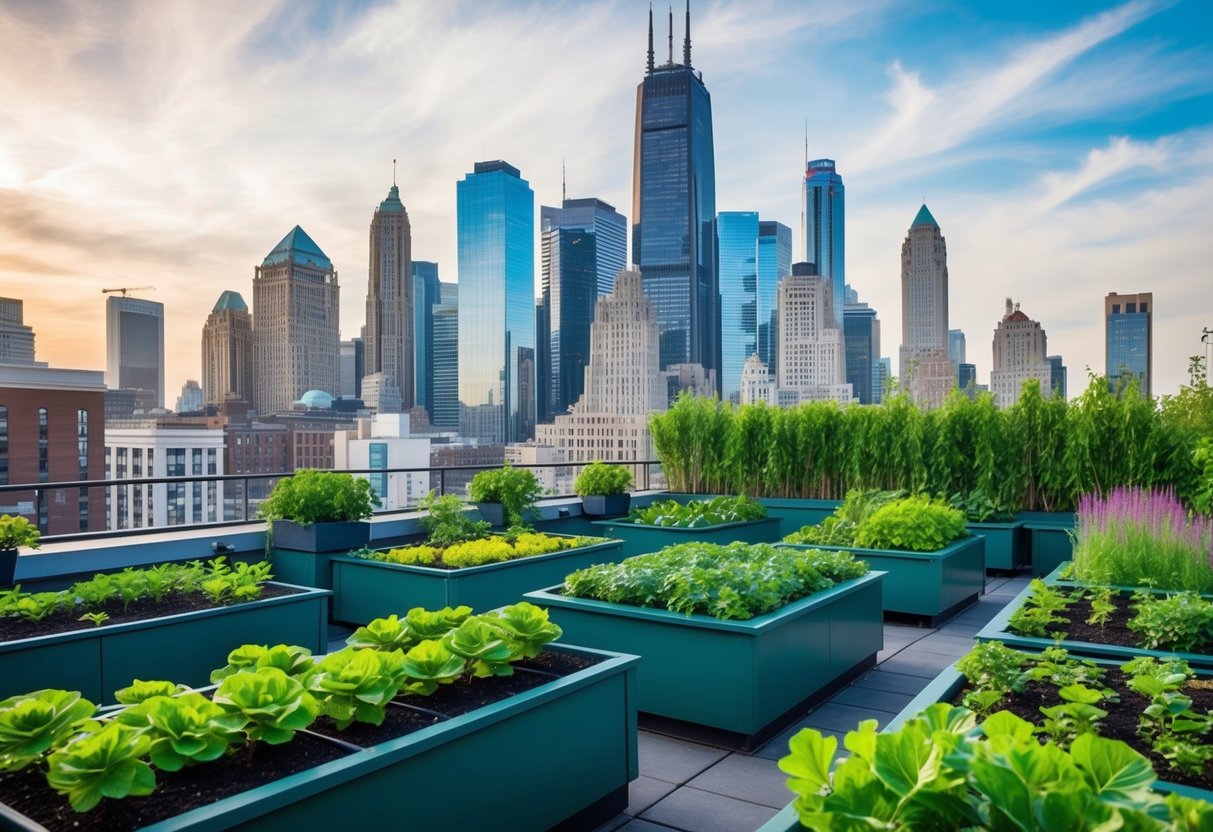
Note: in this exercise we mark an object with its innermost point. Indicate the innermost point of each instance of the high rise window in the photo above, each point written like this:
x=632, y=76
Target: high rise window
x=3, y=445
x=82, y=465
x=44, y=460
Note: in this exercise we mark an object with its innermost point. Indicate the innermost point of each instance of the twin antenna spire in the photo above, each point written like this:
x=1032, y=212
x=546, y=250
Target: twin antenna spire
x=686, y=42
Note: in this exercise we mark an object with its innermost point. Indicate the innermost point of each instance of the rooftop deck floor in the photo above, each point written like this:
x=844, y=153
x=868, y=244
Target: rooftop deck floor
x=689, y=787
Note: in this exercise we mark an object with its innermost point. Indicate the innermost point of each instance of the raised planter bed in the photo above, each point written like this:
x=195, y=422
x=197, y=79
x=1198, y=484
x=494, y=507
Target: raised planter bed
x=795, y=512
x=641, y=539
x=1049, y=541
x=185, y=647
x=1006, y=544
x=570, y=745
x=743, y=679
x=997, y=630
x=301, y=553
x=930, y=585
x=368, y=589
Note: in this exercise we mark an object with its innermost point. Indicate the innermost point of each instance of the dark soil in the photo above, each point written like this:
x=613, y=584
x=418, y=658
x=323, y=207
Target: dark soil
x=13, y=628
x=1121, y=721
x=177, y=792
x=1115, y=631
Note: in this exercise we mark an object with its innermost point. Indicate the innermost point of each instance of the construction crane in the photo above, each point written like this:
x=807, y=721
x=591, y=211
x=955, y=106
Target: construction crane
x=126, y=289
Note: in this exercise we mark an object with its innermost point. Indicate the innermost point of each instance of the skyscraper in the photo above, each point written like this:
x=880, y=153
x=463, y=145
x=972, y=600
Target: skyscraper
x=426, y=295
x=1057, y=376
x=446, y=358
x=496, y=243
x=134, y=348
x=927, y=373
x=16, y=339
x=295, y=323
x=1129, y=338
x=1020, y=353
x=861, y=334
x=389, y=300
x=227, y=351
x=737, y=233
x=823, y=214
x=811, y=348
x=774, y=261
x=582, y=248
x=674, y=206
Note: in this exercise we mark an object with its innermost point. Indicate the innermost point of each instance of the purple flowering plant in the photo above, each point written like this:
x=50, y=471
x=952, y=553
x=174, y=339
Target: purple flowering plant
x=1135, y=537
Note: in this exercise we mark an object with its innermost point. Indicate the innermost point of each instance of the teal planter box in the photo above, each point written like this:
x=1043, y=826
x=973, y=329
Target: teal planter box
x=364, y=590
x=1049, y=542
x=184, y=648
x=571, y=744
x=795, y=512
x=640, y=540
x=1006, y=544
x=942, y=689
x=738, y=677
x=997, y=630
x=929, y=584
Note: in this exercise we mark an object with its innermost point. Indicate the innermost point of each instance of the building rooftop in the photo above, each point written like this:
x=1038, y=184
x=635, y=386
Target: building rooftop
x=392, y=205
x=924, y=217
x=230, y=301
x=301, y=248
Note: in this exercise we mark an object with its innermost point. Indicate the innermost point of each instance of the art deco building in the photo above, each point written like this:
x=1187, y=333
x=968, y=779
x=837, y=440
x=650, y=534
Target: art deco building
x=622, y=383
x=389, y=345
x=1020, y=353
x=295, y=323
x=927, y=373
x=227, y=351
x=583, y=245
x=496, y=244
x=1129, y=337
x=674, y=206
x=811, y=347
x=134, y=349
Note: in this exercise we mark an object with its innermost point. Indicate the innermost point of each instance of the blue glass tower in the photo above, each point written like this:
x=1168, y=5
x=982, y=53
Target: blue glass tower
x=495, y=211
x=823, y=214
x=774, y=261
x=425, y=298
x=862, y=342
x=737, y=234
x=446, y=358
x=1130, y=331
x=674, y=207
x=583, y=246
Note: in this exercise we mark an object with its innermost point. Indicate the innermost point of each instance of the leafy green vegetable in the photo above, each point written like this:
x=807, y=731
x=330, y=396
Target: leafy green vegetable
x=33, y=723
x=140, y=691
x=698, y=514
x=309, y=496
x=383, y=634
x=292, y=660
x=429, y=665
x=839, y=528
x=601, y=478
x=449, y=520
x=105, y=763
x=915, y=524
x=424, y=624
x=355, y=685
x=185, y=729
x=526, y=628
x=484, y=646
x=515, y=488
x=1183, y=621
x=275, y=705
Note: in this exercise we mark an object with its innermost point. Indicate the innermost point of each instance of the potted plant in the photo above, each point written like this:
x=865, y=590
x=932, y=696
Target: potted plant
x=459, y=562
x=669, y=522
x=935, y=568
x=506, y=495
x=603, y=489
x=15, y=532
x=736, y=639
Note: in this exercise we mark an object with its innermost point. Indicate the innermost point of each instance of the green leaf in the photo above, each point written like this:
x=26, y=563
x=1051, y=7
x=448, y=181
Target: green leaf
x=808, y=762
x=1113, y=770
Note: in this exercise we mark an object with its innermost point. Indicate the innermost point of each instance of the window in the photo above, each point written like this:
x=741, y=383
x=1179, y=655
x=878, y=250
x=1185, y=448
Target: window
x=3, y=445
x=44, y=466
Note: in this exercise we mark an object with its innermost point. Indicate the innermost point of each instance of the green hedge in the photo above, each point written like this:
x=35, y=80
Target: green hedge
x=1040, y=454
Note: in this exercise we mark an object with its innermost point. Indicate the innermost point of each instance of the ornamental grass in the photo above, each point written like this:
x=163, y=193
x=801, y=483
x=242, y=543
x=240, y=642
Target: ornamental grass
x=1137, y=537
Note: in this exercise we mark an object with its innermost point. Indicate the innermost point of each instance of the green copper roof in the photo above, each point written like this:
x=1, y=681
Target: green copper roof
x=230, y=301
x=924, y=217
x=297, y=246
x=392, y=204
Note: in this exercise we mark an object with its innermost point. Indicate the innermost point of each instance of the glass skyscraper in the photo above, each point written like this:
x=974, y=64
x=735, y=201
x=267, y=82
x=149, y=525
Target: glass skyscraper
x=583, y=246
x=445, y=412
x=824, y=226
x=674, y=207
x=495, y=210
x=1129, y=338
x=425, y=298
x=774, y=261
x=862, y=339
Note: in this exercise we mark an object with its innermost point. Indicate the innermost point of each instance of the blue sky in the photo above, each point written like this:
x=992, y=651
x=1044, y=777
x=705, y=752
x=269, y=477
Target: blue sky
x=1066, y=149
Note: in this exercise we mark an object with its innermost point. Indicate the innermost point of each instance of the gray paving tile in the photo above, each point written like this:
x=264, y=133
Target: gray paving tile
x=835, y=716
x=699, y=811
x=919, y=665
x=881, y=700
x=638, y=825
x=954, y=648
x=885, y=679
x=614, y=823
x=675, y=761
x=755, y=779
x=778, y=746
x=644, y=791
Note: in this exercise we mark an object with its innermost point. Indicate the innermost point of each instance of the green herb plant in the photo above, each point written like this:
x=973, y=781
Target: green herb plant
x=980, y=507
x=447, y=520
x=698, y=514
x=1183, y=621
x=309, y=496
x=515, y=488
x=915, y=524
x=839, y=528
x=1040, y=614
x=601, y=478
x=17, y=532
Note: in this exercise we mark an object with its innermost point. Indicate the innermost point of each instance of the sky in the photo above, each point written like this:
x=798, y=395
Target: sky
x=1066, y=149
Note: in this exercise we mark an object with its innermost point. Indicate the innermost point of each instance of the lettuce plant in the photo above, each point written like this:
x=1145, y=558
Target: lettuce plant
x=425, y=624
x=389, y=633
x=355, y=685
x=429, y=665
x=484, y=646
x=185, y=729
x=839, y=528
x=526, y=628
x=33, y=723
x=105, y=763
x=915, y=524
x=275, y=705
x=1076, y=716
x=140, y=691
x=292, y=660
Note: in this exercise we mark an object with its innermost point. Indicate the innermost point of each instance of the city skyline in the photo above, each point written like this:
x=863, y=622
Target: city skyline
x=1058, y=148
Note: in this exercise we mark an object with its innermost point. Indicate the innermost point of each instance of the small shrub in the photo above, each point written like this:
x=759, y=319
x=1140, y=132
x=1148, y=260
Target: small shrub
x=1181, y=622
x=698, y=514
x=839, y=528
x=16, y=532
x=599, y=478
x=447, y=520
x=979, y=507
x=515, y=488
x=915, y=524
x=310, y=496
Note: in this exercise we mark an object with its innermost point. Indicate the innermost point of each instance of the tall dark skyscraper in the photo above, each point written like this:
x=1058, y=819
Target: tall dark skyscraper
x=426, y=295
x=824, y=214
x=389, y=300
x=674, y=206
